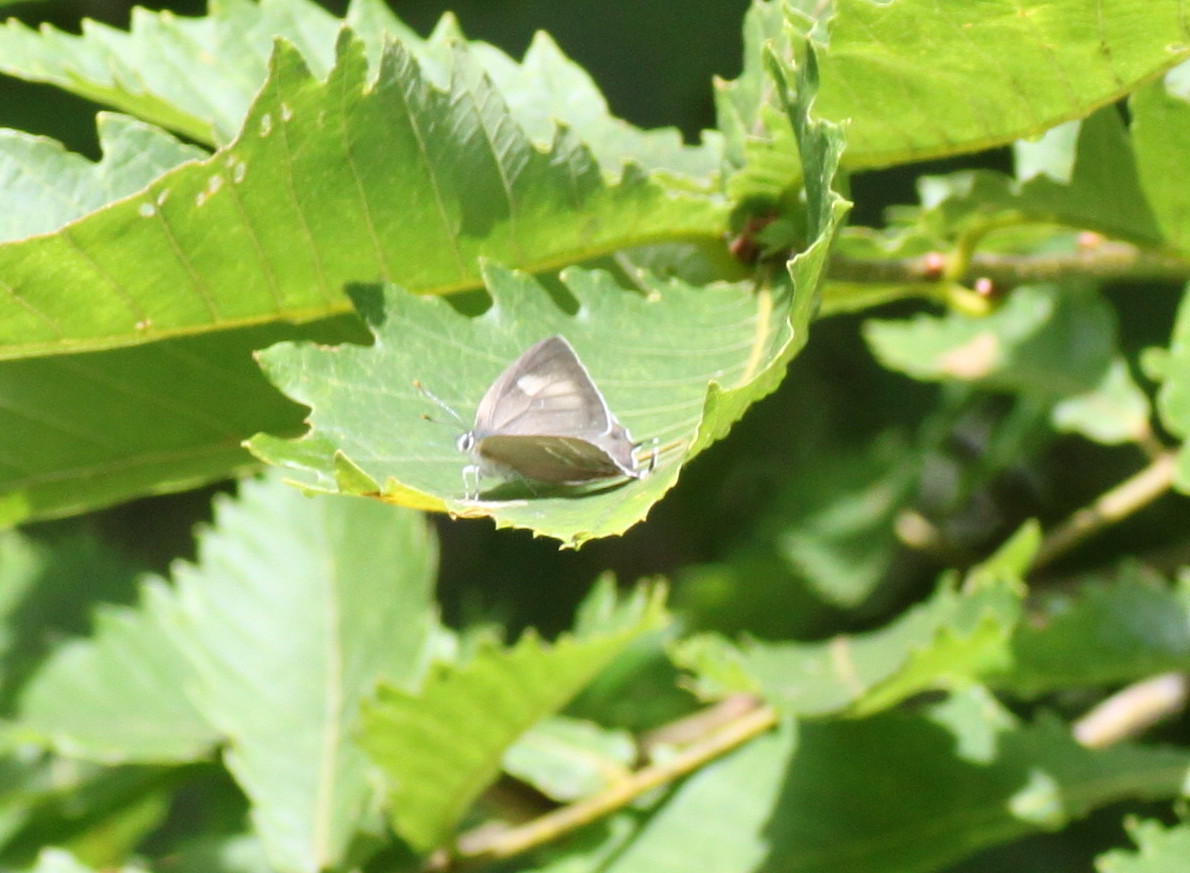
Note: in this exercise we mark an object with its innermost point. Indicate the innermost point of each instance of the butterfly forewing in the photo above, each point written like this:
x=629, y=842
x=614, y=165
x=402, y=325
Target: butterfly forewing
x=544, y=419
x=546, y=391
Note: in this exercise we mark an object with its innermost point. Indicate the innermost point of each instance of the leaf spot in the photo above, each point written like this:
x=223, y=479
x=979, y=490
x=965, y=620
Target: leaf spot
x=213, y=185
x=146, y=210
x=238, y=168
x=266, y=124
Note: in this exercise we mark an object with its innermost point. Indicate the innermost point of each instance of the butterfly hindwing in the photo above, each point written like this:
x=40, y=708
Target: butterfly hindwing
x=553, y=459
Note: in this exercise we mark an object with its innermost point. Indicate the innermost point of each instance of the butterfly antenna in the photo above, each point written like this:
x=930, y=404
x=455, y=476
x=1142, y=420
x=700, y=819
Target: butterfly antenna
x=653, y=456
x=430, y=395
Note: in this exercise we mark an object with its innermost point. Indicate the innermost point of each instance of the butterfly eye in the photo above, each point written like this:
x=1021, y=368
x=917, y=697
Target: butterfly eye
x=465, y=442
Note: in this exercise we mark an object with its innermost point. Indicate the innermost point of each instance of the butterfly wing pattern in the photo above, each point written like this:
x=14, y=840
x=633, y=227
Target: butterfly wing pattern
x=545, y=420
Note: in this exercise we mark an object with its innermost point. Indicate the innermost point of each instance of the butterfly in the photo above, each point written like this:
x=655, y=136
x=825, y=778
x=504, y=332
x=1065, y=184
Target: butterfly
x=543, y=419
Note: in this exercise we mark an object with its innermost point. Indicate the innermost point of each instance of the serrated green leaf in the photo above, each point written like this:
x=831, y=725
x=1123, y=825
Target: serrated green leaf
x=42, y=186
x=1160, y=848
x=667, y=347
x=1109, y=634
x=193, y=75
x=334, y=181
x=547, y=88
x=739, y=102
x=441, y=746
x=120, y=696
x=820, y=145
x=216, y=63
x=295, y=609
x=951, y=640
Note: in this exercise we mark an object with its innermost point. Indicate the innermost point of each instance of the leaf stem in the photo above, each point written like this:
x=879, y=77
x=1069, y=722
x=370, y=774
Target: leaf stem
x=482, y=846
x=1105, y=261
x=1126, y=498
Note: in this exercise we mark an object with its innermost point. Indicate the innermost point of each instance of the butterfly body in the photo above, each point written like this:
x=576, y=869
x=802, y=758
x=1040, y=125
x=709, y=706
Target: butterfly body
x=543, y=419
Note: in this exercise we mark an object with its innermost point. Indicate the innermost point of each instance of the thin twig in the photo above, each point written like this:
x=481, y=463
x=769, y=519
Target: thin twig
x=1133, y=710
x=1125, y=499
x=1107, y=261
x=483, y=846
x=693, y=728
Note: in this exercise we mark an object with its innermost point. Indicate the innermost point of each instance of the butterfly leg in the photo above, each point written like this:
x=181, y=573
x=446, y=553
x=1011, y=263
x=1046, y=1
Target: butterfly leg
x=471, y=482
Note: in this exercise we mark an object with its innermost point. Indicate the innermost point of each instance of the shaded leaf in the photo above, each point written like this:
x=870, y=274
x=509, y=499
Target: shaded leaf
x=1025, y=345
x=839, y=531
x=1109, y=634
x=47, y=590
x=120, y=695
x=1044, y=342
x=1115, y=411
x=1081, y=174
x=951, y=640
x=952, y=778
x=85, y=431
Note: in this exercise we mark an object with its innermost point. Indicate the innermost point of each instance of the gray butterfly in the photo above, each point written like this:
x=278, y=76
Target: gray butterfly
x=544, y=420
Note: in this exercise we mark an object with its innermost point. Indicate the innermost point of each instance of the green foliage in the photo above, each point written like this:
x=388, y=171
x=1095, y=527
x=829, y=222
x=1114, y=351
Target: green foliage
x=1161, y=849
x=303, y=234
x=950, y=641
x=441, y=746
x=673, y=342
